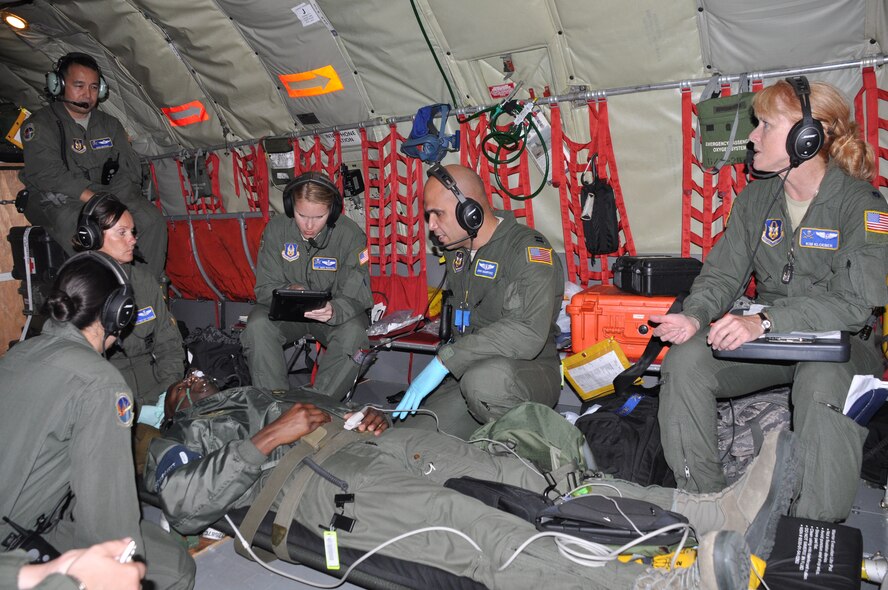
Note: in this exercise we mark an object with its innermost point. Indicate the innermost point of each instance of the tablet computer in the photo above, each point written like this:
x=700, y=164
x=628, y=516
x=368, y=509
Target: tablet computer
x=290, y=305
x=794, y=346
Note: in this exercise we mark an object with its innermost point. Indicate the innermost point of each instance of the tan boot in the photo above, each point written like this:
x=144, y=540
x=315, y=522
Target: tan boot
x=722, y=564
x=753, y=504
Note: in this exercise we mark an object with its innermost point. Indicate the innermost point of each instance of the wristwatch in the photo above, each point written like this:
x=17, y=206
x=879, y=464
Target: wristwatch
x=766, y=323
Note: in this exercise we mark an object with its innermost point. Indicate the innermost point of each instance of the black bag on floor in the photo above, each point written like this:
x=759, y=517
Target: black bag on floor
x=624, y=434
x=875, y=449
x=218, y=353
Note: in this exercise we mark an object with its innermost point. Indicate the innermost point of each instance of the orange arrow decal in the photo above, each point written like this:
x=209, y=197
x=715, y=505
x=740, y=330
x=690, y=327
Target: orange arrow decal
x=326, y=81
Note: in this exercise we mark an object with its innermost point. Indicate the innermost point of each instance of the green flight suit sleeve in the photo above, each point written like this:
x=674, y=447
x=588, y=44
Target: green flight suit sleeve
x=524, y=327
x=351, y=295
x=44, y=169
x=269, y=269
x=200, y=492
x=726, y=270
x=102, y=460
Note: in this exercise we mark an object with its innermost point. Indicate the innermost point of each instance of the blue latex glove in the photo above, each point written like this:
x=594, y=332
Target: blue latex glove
x=423, y=385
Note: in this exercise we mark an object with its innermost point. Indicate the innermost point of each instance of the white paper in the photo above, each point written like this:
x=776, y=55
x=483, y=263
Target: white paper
x=597, y=373
x=306, y=14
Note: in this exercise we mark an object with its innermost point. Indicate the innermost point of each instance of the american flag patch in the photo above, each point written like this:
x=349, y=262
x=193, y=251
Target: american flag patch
x=541, y=255
x=364, y=257
x=876, y=221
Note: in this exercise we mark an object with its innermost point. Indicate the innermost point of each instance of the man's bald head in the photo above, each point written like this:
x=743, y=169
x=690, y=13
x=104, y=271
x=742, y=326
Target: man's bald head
x=440, y=205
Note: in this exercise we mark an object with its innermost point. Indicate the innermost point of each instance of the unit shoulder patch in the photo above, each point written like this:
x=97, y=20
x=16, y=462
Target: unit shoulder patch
x=29, y=132
x=290, y=253
x=459, y=261
x=773, y=233
x=124, y=409
x=77, y=146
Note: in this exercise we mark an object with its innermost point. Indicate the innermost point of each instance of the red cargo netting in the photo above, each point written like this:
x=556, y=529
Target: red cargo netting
x=193, y=202
x=513, y=177
x=705, y=204
x=395, y=223
x=251, y=177
x=567, y=175
x=866, y=108
x=318, y=158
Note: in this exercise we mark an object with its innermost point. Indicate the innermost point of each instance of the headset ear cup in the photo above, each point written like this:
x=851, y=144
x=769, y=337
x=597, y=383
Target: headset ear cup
x=103, y=89
x=804, y=140
x=119, y=310
x=55, y=84
x=90, y=236
x=469, y=215
x=288, y=203
x=335, y=209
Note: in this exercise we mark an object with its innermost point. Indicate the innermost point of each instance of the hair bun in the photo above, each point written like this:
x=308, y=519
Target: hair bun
x=60, y=306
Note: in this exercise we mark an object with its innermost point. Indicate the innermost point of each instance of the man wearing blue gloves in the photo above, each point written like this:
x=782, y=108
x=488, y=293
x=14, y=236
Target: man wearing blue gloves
x=507, y=286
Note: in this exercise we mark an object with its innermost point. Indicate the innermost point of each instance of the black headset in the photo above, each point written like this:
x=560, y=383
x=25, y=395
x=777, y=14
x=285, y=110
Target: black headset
x=469, y=214
x=89, y=233
x=320, y=179
x=806, y=137
x=119, y=308
x=55, y=80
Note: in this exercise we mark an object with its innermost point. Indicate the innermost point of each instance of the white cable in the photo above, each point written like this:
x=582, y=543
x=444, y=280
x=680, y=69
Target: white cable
x=509, y=449
x=601, y=484
x=357, y=562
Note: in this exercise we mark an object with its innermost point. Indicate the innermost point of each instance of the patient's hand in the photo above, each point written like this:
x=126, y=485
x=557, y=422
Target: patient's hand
x=298, y=421
x=374, y=421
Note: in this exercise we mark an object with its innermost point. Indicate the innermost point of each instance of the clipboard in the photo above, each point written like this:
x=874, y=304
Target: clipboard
x=290, y=305
x=794, y=347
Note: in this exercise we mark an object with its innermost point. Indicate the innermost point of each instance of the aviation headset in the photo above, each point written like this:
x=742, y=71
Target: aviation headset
x=469, y=213
x=320, y=179
x=89, y=233
x=119, y=308
x=55, y=80
x=806, y=137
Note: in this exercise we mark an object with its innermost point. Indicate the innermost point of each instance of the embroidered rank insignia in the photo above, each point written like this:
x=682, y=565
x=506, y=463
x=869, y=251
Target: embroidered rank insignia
x=773, y=232
x=822, y=239
x=486, y=269
x=146, y=314
x=459, y=261
x=323, y=263
x=290, y=252
x=77, y=146
x=124, y=410
x=364, y=257
x=101, y=144
x=876, y=221
x=29, y=132
x=540, y=255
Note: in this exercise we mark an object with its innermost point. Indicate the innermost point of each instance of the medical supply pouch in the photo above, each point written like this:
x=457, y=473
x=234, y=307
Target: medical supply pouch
x=611, y=520
x=724, y=124
x=524, y=504
x=814, y=554
x=536, y=433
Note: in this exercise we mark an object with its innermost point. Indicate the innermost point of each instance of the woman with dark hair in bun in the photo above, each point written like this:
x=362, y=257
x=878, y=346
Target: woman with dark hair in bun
x=65, y=415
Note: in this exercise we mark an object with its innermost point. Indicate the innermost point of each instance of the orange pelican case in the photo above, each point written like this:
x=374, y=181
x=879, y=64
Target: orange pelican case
x=603, y=311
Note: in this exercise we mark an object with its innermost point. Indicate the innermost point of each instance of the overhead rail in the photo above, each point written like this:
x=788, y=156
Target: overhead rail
x=589, y=95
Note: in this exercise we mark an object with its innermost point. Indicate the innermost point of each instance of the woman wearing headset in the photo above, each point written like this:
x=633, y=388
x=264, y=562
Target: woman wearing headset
x=150, y=356
x=814, y=233
x=65, y=415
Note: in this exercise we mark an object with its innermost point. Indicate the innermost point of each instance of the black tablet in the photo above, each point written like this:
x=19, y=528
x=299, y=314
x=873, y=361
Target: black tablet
x=794, y=346
x=290, y=305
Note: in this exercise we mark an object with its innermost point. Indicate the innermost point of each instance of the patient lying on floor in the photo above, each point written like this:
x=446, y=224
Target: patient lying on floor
x=217, y=451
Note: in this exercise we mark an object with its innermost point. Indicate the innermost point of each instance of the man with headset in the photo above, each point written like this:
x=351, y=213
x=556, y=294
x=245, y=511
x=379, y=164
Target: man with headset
x=73, y=150
x=815, y=235
x=507, y=286
x=312, y=247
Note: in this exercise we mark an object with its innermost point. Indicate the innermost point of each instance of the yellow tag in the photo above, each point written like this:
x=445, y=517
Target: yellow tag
x=331, y=550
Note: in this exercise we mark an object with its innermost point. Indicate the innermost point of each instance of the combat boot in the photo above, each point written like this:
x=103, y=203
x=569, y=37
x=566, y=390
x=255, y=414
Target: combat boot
x=722, y=564
x=754, y=503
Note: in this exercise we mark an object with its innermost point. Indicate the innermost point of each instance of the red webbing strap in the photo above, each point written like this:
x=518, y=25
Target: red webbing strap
x=194, y=204
x=866, y=110
x=580, y=263
x=394, y=222
x=514, y=177
x=213, y=172
x=251, y=172
x=151, y=170
x=317, y=158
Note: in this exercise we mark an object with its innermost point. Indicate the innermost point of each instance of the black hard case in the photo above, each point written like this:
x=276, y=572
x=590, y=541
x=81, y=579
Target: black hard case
x=45, y=254
x=655, y=275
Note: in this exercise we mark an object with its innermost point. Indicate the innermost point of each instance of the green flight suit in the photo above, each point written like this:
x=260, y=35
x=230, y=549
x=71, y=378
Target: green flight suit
x=338, y=263
x=396, y=480
x=513, y=289
x=65, y=415
x=150, y=356
x=62, y=160
x=839, y=271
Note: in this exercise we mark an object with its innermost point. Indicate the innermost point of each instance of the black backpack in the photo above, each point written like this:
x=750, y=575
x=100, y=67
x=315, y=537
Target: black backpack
x=624, y=434
x=601, y=228
x=219, y=354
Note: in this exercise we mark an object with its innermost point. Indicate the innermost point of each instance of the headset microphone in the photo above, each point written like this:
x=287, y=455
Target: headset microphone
x=449, y=244
x=82, y=105
x=762, y=175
